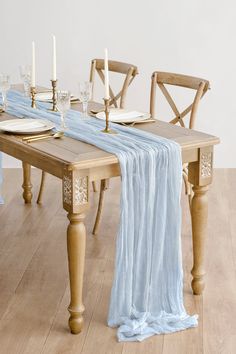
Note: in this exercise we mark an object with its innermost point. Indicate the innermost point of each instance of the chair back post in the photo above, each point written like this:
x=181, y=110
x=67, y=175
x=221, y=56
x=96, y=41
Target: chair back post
x=153, y=94
x=198, y=96
x=92, y=76
x=128, y=79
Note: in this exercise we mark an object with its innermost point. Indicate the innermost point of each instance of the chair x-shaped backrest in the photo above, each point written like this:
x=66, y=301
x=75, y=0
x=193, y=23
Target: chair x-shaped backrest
x=129, y=70
x=162, y=78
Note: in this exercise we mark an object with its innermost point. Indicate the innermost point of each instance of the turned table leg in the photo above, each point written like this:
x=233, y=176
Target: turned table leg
x=199, y=213
x=75, y=188
x=200, y=176
x=27, y=186
x=76, y=238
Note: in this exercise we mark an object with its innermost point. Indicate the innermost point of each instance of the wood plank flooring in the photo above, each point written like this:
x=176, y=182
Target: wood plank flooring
x=34, y=292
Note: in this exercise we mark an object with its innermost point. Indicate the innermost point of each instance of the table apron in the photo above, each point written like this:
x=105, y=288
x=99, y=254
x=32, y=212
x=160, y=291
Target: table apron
x=57, y=167
x=42, y=161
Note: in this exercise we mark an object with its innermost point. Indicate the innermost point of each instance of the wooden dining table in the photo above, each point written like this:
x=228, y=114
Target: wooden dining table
x=77, y=164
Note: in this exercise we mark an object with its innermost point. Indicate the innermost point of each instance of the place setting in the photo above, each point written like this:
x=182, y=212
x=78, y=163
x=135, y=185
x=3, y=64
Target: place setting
x=26, y=126
x=46, y=96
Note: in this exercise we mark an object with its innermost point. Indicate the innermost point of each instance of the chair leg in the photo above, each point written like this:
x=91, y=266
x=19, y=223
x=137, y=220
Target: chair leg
x=94, y=186
x=188, y=187
x=41, y=188
x=186, y=182
x=104, y=186
x=190, y=196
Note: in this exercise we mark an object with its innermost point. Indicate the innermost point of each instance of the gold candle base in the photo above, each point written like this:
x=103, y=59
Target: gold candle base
x=107, y=130
x=54, y=96
x=33, y=92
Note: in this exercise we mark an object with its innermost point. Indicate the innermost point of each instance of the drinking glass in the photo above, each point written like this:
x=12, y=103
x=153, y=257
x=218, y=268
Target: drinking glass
x=85, y=93
x=63, y=105
x=4, y=87
x=25, y=75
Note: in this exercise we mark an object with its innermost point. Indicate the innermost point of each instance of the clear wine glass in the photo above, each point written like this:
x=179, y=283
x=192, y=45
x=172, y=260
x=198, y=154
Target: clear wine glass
x=85, y=93
x=63, y=105
x=25, y=75
x=4, y=87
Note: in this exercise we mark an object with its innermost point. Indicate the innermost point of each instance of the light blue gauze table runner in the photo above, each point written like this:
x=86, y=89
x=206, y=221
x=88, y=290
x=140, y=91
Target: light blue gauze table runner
x=147, y=291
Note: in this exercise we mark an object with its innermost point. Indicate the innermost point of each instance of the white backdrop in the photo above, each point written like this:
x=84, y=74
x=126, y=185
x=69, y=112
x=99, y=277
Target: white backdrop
x=185, y=36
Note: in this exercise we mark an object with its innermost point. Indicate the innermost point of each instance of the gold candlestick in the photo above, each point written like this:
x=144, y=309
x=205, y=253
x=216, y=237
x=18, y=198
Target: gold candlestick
x=107, y=112
x=33, y=92
x=54, y=96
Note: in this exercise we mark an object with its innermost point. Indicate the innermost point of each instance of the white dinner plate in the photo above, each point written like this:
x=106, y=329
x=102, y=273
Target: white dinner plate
x=47, y=97
x=118, y=115
x=26, y=126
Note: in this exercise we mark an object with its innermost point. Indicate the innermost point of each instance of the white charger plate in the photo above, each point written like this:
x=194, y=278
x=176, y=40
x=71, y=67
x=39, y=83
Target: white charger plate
x=26, y=126
x=118, y=115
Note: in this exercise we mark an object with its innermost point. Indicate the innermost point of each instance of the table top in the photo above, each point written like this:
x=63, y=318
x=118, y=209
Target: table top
x=80, y=155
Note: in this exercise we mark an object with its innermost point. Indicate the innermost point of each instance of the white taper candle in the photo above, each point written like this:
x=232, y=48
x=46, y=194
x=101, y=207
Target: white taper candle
x=33, y=65
x=54, y=59
x=107, y=94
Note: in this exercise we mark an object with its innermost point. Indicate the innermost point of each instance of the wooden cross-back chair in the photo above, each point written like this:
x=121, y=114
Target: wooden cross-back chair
x=129, y=70
x=97, y=65
x=161, y=79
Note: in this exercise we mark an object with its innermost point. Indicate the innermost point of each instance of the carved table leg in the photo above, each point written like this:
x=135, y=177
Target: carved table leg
x=27, y=186
x=76, y=237
x=199, y=213
x=200, y=176
x=75, y=187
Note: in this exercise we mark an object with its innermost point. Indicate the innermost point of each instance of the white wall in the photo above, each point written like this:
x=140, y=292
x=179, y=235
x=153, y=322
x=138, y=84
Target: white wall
x=185, y=36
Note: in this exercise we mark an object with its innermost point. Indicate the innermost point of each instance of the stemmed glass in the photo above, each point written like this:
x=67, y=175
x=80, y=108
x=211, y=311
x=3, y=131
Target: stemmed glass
x=63, y=105
x=85, y=93
x=25, y=74
x=4, y=87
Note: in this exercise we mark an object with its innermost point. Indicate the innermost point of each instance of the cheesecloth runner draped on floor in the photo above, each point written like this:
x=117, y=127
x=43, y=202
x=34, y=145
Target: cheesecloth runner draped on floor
x=147, y=292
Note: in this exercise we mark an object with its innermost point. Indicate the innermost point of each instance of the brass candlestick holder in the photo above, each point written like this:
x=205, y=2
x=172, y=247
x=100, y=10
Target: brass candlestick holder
x=33, y=92
x=107, y=112
x=54, y=96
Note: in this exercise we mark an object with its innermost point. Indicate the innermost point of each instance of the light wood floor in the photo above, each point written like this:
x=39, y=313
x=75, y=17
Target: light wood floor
x=34, y=291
